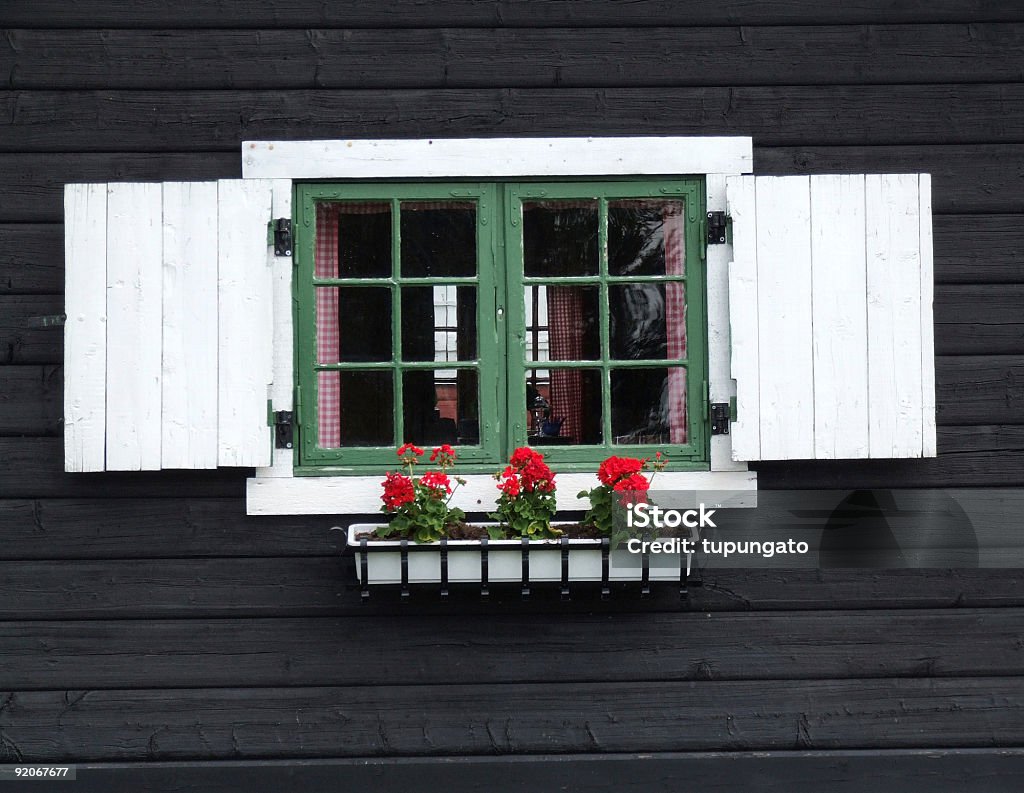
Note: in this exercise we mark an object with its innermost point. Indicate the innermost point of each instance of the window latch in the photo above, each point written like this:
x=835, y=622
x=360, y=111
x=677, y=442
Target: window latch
x=284, y=431
x=283, y=237
x=716, y=224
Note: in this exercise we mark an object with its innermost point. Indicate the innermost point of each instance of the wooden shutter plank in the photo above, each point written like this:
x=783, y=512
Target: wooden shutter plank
x=839, y=317
x=282, y=389
x=927, y=319
x=189, y=403
x=85, y=333
x=134, y=285
x=743, y=320
x=245, y=354
x=894, y=316
x=784, y=317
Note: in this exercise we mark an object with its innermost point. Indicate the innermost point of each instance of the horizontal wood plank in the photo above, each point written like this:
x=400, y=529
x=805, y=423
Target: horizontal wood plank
x=967, y=179
x=979, y=389
x=979, y=320
x=491, y=13
x=32, y=255
x=34, y=468
x=474, y=719
x=894, y=771
x=53, y=121
x=522, y=58
x=31, y=400
x=297, y=587
x=23, y=337
x=127, y=528
x=653, y=647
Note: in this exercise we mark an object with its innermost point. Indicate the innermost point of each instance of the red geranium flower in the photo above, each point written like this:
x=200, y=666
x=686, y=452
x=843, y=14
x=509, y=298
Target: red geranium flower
x=445, y=452
x=408, y=447
x=398, y=490
x=435, y=480
x=615, y=468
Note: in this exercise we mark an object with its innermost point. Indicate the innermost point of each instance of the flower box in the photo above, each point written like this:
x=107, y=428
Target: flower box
x=462, y=561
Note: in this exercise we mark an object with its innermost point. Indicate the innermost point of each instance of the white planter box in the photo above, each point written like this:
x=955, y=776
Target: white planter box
x=504, y=561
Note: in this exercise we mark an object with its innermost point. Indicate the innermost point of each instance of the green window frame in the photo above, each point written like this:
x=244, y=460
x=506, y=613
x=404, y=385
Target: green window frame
x=500, y=280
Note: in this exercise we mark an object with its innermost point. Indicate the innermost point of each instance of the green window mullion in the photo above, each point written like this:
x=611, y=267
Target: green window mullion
x=396, y=321
x=604, y=321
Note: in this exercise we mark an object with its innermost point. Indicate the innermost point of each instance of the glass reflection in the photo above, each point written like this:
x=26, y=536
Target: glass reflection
x=562, y=322
x=645, y=237
x=441, y=406
x=563, y=406
x=560, y=238
x=649, y=405
x=438, y=239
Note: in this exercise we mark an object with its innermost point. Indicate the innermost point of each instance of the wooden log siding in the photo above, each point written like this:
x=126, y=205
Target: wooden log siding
x=146, y=619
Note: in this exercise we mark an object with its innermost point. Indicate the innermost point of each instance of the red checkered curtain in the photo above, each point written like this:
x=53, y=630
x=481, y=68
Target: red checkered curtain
x=565, y=318
x=675, y=318
x=328, y=331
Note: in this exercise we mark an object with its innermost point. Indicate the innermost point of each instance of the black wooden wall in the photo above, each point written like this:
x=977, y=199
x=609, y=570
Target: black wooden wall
x=152, y=631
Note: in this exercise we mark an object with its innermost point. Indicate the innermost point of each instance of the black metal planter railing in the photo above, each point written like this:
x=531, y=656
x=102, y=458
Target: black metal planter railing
x=444, y=549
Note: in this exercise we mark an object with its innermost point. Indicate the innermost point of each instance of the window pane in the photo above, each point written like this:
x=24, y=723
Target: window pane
x=560, y=238
x=353, y=324
x=441, y=406
x=563, y=406
x=439, y=323
x=355, y=409
x=647, y=321
x=562, y=323
x=645, y=237
x=649, y=405
x=353, y=240
x=438, y=239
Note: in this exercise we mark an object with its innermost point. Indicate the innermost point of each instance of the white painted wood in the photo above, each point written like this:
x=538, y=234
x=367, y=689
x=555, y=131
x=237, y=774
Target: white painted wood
x=134, y=286
x=894, y=316
x=246, y=335
x=85, y=331
x=839, y=310
x=721, y=387
x=786, y=369
x=745, y=432
x=928, y=440
x=354, y=495
x=282, y=389
x=189, y=381
x=495, y=157
x=505, y=561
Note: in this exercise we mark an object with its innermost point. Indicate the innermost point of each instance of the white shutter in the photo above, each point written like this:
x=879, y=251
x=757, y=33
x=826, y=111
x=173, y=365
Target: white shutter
x=830, y=302
x=169, y=333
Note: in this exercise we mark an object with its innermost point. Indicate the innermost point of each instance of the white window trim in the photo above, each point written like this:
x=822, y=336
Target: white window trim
x=276, y=491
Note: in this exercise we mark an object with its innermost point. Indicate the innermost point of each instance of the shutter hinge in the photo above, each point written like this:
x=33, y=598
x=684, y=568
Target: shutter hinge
x=282, y=229
x=717, y=223
x=284, y=432
x=720, y=416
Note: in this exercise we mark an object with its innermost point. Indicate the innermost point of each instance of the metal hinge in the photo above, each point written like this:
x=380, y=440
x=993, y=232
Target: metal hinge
x=284, y=431
x=720, y=416
x=716, y=228
x=282, y=236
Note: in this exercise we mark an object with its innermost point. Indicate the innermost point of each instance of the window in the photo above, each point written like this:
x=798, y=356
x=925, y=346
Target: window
x=565, y=315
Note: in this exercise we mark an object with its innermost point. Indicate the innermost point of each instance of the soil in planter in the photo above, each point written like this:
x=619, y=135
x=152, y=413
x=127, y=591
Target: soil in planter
x=467, y=531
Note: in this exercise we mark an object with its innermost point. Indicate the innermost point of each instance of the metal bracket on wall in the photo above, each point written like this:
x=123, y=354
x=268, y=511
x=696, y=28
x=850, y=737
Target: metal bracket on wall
x=720, y=415
x=282, y=237
x=716, y=225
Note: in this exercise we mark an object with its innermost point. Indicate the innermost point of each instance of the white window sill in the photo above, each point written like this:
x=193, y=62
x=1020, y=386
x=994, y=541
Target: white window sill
x=360, y=495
